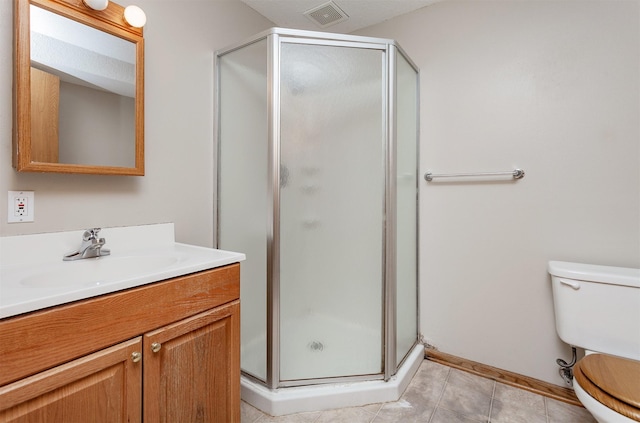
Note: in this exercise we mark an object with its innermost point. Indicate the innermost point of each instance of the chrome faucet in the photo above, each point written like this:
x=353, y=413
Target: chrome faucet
x=91, y=247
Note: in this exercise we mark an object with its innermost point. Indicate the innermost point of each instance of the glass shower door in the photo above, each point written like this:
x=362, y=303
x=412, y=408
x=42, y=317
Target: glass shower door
x=332, y=178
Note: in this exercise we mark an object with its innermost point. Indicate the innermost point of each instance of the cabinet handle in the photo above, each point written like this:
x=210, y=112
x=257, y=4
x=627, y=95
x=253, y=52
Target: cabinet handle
x=136, y=356
x=155, y=347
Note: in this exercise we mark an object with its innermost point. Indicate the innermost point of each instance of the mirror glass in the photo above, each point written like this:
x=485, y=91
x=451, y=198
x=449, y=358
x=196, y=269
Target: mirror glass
x=93, y=75
x=85, y=113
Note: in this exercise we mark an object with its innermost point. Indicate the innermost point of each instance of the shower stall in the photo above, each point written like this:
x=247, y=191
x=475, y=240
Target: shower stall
x=317, y=138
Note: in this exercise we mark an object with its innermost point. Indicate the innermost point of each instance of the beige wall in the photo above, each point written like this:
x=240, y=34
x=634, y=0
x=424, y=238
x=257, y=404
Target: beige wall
x=180, y=38
x=552, y=87
x=548, y=86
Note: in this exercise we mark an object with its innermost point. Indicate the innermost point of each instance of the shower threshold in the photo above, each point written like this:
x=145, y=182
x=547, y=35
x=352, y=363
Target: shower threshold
x=299, y=399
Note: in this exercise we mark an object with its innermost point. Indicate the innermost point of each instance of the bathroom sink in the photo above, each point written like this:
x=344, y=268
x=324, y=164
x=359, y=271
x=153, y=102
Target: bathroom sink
x=34, y=276
x=97, y=271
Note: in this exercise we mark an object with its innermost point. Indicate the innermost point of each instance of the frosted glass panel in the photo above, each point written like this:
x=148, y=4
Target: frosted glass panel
x=242, y=195
x=406, y=274
x=331, y=211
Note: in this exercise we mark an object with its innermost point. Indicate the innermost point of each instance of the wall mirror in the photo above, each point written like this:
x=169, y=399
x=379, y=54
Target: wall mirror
x=78, y=89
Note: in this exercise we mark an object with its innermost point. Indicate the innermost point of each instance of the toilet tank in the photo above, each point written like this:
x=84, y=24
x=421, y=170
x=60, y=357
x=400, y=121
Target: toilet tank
x=597, y=307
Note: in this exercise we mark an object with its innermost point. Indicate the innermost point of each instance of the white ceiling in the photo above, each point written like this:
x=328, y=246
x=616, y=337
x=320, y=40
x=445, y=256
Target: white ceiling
x=362, y=13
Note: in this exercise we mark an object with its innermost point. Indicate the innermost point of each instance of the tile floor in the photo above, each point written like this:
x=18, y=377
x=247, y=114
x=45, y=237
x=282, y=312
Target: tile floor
x=440, y=394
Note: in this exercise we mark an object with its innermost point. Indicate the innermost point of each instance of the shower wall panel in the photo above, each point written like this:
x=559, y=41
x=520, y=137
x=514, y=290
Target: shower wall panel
x=243, y=190
x=406, y=102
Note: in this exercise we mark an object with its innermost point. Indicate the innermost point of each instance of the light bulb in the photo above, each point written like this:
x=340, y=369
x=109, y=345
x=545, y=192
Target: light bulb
x=135, y=16
x=96, y=4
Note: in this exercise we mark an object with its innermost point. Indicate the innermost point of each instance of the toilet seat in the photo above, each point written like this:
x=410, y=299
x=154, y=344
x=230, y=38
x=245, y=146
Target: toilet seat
x=612, y=381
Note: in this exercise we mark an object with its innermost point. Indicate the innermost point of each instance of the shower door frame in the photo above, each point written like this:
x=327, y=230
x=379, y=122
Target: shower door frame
x=275, y=37
x=273, y=251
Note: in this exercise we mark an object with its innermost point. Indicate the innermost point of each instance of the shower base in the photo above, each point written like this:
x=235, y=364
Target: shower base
x=298, y=399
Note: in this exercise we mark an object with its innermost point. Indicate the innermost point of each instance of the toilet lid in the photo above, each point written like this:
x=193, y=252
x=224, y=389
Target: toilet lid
x=602, y=397
x=618, y=377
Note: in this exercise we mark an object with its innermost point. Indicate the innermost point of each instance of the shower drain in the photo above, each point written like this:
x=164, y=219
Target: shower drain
x=316, y=346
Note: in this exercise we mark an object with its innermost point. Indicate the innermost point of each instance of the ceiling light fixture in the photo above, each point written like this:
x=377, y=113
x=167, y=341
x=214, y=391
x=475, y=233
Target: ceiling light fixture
x=135, y=16
x=96, y=4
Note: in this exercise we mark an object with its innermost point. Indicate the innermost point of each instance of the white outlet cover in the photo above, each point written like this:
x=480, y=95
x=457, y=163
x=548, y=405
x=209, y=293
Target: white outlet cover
x=20, y=206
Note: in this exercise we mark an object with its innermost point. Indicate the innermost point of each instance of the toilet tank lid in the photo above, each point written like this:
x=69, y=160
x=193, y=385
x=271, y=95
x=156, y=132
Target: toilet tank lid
x=595, y=273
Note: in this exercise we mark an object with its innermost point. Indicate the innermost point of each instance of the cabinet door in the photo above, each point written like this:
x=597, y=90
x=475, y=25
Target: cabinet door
x=101, y=387
x=192, y=369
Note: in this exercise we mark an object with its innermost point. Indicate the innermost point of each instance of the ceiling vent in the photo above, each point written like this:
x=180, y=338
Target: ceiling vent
x=326, y=14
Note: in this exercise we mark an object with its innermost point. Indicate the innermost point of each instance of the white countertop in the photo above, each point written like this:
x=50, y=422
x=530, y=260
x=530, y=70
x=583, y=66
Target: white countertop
x=34, y=276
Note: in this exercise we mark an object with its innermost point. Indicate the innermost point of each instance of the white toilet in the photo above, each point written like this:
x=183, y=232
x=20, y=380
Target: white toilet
x=598, y=308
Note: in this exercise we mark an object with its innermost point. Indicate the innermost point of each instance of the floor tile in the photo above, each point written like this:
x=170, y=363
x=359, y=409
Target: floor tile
x=513, y=405
x=560, y=412
x=461, y=379
x=428, y=383
x=405, y=411
x=446, y=416
x=373, y=408
x=346, y=415
x=248, y=413
x=291, y=418
x=467, y=394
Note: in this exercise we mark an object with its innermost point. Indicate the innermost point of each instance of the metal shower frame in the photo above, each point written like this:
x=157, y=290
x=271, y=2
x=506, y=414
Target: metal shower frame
x=275, y=37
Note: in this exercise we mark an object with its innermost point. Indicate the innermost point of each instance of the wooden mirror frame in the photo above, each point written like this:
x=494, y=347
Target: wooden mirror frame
x=111, y=21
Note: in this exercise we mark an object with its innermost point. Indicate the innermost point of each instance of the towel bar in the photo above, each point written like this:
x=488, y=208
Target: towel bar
x=516, y=173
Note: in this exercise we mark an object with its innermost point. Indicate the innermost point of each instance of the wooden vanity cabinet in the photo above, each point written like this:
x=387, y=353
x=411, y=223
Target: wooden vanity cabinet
x=103, y=387
x=186, y=330
x=192, y=369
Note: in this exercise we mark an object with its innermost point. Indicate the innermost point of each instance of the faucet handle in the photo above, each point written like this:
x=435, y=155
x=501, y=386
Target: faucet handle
x=91, y=234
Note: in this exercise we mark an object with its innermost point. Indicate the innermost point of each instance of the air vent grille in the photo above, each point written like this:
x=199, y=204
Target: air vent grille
x=326, y=14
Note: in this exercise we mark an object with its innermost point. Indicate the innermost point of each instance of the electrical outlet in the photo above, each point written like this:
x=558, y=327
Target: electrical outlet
x=21, y=206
